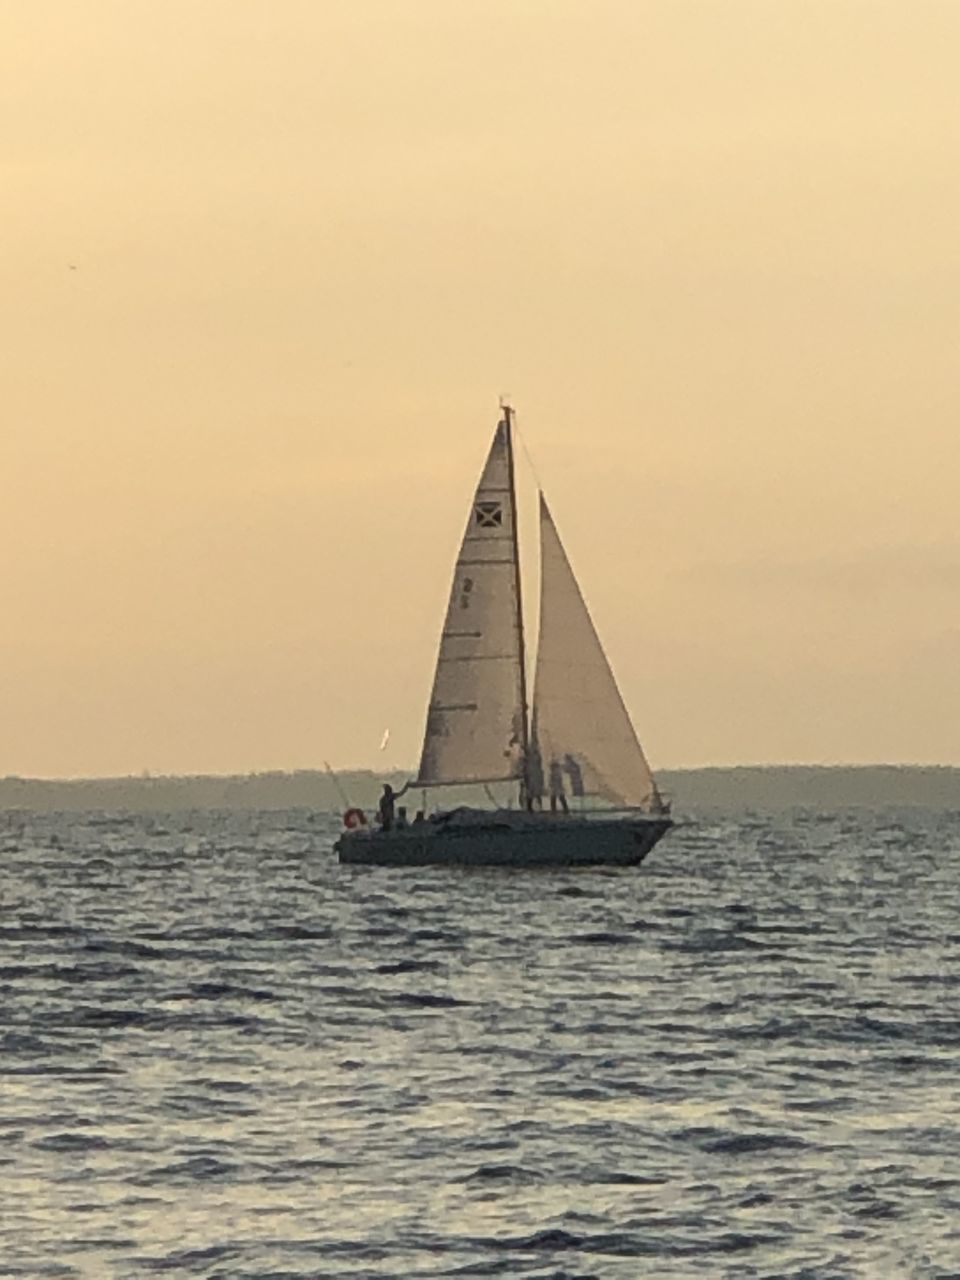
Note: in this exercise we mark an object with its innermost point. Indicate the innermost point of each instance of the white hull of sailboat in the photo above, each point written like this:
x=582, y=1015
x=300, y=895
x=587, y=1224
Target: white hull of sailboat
x=507, y=838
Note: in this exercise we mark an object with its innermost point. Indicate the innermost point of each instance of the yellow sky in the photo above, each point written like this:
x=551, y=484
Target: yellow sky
x=265, y=268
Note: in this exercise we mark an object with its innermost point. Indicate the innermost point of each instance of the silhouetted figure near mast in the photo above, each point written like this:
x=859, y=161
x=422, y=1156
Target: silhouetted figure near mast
x=558, y=797
x=533, y=775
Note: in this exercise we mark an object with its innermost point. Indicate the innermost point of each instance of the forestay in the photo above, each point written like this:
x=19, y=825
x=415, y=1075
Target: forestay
x=474, y=727
x=586, y=741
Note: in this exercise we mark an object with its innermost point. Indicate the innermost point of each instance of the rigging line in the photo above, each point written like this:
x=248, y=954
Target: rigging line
x=336, y=782
x=526, y=453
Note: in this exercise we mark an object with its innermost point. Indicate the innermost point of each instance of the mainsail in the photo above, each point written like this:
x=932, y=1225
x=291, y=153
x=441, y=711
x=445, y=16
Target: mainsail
x=475, y=722
x=582, y=732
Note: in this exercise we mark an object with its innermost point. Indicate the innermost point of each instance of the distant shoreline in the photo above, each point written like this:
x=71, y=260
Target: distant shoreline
x=735, y=788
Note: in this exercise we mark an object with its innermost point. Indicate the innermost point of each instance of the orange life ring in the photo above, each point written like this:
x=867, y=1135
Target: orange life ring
x=354, y=818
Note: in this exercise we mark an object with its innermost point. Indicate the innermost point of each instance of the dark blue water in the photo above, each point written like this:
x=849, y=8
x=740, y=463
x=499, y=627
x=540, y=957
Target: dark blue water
x=223, y=1055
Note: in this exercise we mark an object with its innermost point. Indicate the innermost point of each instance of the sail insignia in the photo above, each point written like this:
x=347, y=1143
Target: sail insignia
x=489, y=515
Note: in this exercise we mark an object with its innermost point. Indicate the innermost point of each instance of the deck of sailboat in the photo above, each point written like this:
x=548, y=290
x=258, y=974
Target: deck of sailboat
x=508, y=838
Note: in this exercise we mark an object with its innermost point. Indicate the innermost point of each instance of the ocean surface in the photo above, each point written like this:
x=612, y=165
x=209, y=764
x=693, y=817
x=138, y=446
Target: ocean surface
x=223, y=1055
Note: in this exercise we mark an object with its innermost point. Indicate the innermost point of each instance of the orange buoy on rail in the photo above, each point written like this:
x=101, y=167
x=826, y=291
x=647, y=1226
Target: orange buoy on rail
x=354, y=818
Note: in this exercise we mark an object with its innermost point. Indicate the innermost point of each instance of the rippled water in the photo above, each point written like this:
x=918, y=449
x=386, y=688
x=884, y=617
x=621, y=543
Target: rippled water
x=223, y=1055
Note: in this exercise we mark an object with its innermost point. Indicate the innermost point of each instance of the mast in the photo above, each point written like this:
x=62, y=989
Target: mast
x=524, y=710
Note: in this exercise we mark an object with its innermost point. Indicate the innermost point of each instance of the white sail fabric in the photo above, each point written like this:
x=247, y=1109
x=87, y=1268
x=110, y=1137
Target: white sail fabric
x=475, y=720
x=583, y=734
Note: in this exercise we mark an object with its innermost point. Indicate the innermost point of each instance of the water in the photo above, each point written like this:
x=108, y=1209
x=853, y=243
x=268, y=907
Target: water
x=223, y=1055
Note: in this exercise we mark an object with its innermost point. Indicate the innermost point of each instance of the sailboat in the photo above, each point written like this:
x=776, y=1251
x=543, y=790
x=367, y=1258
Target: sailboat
x=585, y=793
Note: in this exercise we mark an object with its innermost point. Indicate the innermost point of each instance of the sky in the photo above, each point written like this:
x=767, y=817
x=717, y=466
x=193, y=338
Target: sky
x=265, y=269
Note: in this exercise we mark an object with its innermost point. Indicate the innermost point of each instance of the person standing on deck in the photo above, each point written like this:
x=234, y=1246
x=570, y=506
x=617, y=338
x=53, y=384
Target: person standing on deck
x=385, y=809
x=533, y=799
x=557, y=795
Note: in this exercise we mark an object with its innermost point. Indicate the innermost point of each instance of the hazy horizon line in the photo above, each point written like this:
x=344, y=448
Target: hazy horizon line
x=151, y=776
